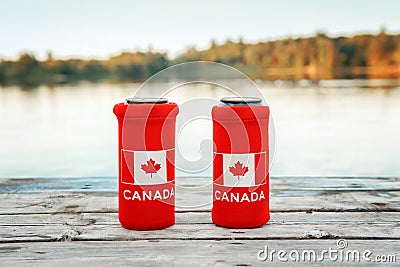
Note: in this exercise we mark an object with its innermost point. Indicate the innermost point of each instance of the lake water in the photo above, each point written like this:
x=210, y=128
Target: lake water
x=341, y=128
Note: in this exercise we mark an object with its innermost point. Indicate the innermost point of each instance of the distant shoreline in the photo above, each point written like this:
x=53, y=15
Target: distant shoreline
x=315, y=58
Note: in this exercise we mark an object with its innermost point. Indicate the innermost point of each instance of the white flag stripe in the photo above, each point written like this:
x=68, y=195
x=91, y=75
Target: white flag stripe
x=143, y=160
x=241, y=170
x=238, y=170
x=149, y=167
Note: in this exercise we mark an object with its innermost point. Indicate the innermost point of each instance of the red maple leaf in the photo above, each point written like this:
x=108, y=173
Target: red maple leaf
x=238, y=169
x=151, y=167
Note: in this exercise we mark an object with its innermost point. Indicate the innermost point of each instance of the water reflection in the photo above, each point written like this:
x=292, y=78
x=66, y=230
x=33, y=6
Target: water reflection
x=342, y=128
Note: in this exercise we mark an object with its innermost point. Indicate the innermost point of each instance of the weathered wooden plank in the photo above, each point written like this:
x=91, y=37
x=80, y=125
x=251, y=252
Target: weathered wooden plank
x=294, y=218
x=188, y=253
x=200, y=232
x=195, y=194
x=348, y=208
x=338, y=183
x=288, y=184
x=37, y=185
x=198, y=226
x=187, y=200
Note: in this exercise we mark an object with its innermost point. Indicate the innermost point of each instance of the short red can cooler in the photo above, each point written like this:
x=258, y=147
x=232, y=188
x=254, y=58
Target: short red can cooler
x=241, y=163
x=146, y=153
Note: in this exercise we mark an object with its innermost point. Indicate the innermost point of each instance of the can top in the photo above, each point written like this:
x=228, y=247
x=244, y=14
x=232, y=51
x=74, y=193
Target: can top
x=245, y=100
x=146, y=100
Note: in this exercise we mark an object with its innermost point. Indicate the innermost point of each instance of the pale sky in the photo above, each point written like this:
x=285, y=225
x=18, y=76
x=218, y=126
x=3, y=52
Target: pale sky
x=89, y=28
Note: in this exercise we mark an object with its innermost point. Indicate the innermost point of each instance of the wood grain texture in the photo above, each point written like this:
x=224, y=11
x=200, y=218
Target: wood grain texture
x=286, y=184
x=187, y=201
x=66, y=222
x=198, y=226
x=181, y=252
x=287, y=194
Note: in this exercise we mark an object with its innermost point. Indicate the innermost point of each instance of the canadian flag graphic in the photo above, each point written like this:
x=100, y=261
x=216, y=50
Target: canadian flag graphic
x=240, y=170
x=144, y=167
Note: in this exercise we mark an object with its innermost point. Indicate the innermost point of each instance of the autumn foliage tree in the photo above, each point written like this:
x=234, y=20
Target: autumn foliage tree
x=316, y=57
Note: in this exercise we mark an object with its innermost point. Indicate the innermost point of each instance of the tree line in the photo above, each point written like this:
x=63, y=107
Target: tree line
x=314, y=58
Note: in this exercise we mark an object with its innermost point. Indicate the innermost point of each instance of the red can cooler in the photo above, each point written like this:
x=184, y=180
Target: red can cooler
x=241, y=163
x=146, y=153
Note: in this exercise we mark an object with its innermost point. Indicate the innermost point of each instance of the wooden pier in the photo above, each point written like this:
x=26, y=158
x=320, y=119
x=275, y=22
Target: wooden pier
x=74, y=221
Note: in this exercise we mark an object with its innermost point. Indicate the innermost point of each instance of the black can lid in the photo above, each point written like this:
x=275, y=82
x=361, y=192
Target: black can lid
x=246, y=100
x=146, y=100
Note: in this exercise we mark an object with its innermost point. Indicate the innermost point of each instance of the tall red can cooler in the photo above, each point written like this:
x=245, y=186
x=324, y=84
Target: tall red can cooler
x=146, y=152
x=241, y=163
